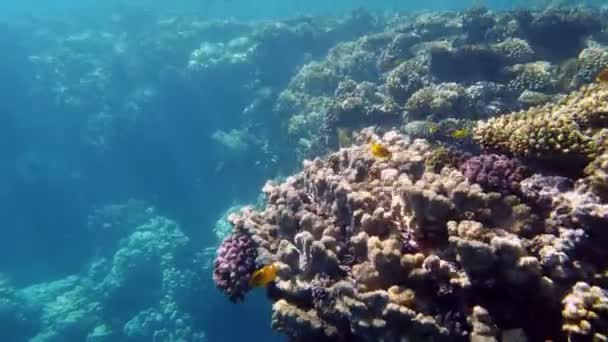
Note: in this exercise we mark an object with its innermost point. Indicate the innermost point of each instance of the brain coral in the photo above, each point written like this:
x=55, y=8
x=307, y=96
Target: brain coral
x=388, y=249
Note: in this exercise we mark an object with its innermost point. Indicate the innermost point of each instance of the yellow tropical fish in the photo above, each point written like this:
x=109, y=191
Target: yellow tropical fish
x=263, y=276
x=379, y=150
x=602, y=77
x=460, y=133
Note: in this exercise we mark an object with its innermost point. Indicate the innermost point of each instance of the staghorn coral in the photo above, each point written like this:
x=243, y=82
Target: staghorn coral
x=558, y=132
x=391, y=249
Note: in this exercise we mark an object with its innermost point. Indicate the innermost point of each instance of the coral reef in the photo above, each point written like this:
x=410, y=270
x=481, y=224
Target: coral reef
x=589, y=63
x=561, y=132
x=234, y=265
x=370, y=249
x=503, y=65
x=437, y=100
x=535, y=76
x=433, y=243
x=515, y=50
x=494, y=172
x=586, y=311
x=108, y=302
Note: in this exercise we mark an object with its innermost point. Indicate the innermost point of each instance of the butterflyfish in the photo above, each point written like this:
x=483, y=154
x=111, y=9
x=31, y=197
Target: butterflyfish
x=379, y=150
x=460, y=133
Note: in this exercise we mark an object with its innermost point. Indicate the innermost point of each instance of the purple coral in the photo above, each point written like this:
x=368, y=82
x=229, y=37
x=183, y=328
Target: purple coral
x=234, y=264
x=494, y=172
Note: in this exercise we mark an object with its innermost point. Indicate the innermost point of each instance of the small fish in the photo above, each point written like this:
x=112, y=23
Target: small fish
x=602, y=77
x=460, y=133
x=379, y=150
x=263, y=276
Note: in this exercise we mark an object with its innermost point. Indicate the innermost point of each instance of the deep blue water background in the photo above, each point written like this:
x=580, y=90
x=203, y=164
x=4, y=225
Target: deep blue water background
x=50, y=180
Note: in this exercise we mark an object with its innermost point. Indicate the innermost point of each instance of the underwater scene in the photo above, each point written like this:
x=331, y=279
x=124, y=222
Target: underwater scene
x=346, y=170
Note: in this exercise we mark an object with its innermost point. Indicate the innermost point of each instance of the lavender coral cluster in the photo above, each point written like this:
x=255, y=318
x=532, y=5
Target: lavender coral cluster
x=234, y=265
x=494, y=172
x=374, y=249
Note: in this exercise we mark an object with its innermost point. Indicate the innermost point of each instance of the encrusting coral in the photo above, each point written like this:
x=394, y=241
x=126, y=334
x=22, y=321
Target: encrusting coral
x=396, y=248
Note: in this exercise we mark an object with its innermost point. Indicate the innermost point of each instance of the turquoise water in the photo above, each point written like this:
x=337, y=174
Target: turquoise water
x=129, y=128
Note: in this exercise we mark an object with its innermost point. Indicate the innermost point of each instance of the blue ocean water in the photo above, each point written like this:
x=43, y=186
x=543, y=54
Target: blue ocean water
x=128, y=129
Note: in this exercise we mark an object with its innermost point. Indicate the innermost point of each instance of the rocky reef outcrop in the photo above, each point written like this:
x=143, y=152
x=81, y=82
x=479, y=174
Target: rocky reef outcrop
x=374, y=249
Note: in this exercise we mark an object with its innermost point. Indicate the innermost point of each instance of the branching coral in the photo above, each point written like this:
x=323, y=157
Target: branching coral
x=586, y=312
x=438, y=100
x=494, y=172
x=589, y=63
x=560, y=132
x=370, y=249
x=515, y=50
x=406, y=78
x=356, y=105
x=536, y=76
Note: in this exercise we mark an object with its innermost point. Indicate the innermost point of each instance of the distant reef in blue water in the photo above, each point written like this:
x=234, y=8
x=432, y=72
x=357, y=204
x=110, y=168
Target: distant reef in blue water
x=219, y=171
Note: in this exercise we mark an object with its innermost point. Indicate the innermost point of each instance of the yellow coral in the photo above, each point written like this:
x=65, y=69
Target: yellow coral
x=552, y=131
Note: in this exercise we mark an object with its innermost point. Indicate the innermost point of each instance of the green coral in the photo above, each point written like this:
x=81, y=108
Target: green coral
x=438, y=159
x=554, y=131
x=406, y=78
x=585, y=312
x=537, y=76
x=515, y=50
x=590, y=62
x=440, y=100
x=597, y=171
